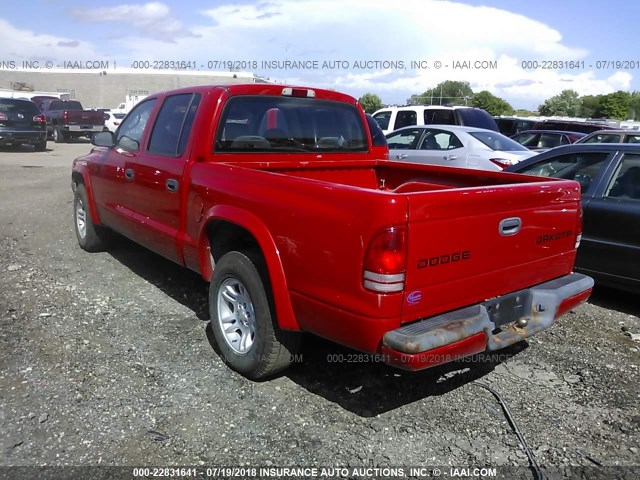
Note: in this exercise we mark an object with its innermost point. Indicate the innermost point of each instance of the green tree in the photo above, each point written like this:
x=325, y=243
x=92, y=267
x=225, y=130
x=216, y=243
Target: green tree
x=634, y=106
x=370, y=102
x=591, y=106
x=616, y=105
x=449, y=92
x=567, y=103
x=521, y=112
x=492, y=104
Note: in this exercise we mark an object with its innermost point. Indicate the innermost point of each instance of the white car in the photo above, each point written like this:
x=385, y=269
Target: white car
x=112, y=120
x=455, y=146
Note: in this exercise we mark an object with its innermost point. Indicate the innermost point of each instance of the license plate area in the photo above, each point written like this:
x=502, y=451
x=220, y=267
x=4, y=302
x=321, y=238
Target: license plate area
x=509, y=308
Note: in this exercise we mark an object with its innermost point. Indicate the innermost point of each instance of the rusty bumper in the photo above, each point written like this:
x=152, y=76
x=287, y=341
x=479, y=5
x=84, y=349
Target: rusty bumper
x=490, y=325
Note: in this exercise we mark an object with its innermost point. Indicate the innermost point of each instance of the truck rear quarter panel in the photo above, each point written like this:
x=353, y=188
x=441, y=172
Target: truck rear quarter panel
x=318, y=233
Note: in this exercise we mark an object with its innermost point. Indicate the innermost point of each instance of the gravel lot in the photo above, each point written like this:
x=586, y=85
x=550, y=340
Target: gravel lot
x=106, y=359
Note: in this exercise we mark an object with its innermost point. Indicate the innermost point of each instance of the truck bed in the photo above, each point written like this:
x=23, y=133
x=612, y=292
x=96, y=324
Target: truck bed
x=397, y=177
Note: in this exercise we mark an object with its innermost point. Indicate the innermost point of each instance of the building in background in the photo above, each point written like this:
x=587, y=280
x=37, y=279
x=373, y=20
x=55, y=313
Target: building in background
x=109, y=88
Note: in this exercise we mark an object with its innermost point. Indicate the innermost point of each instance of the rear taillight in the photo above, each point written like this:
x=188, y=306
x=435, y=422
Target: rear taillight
x=65, y=117
x=3, y=116
x=40, y=119
x=579, y=227
x=501, y=162
x=385, y=262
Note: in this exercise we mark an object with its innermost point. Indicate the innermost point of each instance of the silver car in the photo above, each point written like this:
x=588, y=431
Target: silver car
x=455, y=146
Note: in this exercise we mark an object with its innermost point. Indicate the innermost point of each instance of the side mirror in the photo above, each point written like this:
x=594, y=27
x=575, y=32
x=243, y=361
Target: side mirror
x=103, y=139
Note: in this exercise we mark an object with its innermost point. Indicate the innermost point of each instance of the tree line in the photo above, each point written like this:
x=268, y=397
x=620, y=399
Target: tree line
x=618, y=105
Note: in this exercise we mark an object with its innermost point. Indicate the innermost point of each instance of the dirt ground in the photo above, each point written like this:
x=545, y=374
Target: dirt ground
x=106, y=359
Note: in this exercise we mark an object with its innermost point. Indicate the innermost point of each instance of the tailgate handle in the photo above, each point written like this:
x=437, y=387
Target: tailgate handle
x=510, y=226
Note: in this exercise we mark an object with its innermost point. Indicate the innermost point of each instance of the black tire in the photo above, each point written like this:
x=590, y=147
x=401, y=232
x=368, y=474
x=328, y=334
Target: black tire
x=271, y=349
x=40, y=146
x=59, y=136
x=92, y=238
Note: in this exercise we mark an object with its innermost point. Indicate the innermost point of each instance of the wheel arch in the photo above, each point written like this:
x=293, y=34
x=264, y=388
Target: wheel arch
x=82, y=178
x=228, y=228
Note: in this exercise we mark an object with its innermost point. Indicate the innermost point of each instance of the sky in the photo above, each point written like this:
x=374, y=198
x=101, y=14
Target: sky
x=524, y=52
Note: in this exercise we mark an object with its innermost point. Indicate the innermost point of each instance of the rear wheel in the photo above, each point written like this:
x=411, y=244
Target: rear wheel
x=242, y=319
x=59, y=135
x=92, y=238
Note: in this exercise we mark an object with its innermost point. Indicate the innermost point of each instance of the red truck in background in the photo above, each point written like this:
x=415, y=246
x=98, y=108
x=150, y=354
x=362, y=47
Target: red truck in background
x=66, y=119
x=283, y=198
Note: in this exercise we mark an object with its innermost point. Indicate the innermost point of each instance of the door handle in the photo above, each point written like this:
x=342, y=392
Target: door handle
x=510, y=226
x=450, y=157
x=129, y=174
x=172, y=184
x=401, y=156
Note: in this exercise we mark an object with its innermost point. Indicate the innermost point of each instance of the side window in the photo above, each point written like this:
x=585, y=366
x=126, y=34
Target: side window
x=405, y=139
x=601, y=138
x=439, y=140
x=549, y=140
x=173, y=125
x=439, y=117
x=581, y=167
x=405, y=118
x=527, y=139
x=383, y=119
x=632, y=138
x=132, y=128
x=626, y=181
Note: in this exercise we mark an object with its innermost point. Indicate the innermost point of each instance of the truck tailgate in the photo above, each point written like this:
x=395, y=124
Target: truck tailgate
x=85, y=117
x=468, y=245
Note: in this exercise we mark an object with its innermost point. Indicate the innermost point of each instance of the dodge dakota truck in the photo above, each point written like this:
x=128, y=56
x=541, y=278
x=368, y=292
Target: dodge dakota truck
x=284, y=199
x=66, y=119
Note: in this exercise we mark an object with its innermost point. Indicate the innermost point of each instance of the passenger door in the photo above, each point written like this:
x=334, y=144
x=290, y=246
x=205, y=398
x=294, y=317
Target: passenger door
x=157, y=191
x=402, y=143
x=111, y=181
x=438, y=147
x=612, y=223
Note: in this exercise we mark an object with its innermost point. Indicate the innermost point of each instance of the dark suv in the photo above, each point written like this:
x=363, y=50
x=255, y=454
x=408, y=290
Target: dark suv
x=22, y=124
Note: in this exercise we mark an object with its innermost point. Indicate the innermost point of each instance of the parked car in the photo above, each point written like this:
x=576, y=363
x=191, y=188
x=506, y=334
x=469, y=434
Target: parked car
x=112, y=120
x=570, y=125
x=22, y=124
x=612, y=136
x=609, y=175
x=509, y=126
x=393, y=118
x=455, y=146
x=542, y=140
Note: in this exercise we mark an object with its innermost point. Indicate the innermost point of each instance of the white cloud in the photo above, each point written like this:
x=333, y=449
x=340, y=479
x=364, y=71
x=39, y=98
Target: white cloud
x=153, y=19
x=18, y=45
x=356, y=30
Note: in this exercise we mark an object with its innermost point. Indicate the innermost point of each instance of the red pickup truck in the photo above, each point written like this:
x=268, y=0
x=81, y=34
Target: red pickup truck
x=66, y=119
x=283, y=198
